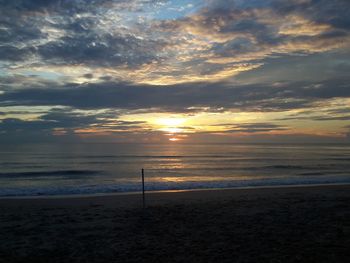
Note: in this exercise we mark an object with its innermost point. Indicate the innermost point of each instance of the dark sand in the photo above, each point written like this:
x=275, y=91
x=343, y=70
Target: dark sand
x=296, y=224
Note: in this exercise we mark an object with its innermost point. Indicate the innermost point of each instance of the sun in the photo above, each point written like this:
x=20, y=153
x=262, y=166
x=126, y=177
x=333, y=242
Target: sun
x=171, y=125
x=171, y=122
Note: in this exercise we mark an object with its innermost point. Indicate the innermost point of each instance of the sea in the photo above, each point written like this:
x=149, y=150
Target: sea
x=80, y=169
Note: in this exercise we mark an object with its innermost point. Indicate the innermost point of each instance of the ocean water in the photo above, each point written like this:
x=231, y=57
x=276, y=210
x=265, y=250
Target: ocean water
x=59, y=169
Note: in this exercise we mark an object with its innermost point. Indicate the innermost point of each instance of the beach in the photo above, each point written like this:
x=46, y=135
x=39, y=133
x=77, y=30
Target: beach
x=276, y=224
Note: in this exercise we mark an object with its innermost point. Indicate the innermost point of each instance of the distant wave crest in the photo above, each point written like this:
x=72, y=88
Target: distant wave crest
x=50, y=173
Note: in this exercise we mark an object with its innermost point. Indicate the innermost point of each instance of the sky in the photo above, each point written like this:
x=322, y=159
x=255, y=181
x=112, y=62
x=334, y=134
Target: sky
x=190, y=71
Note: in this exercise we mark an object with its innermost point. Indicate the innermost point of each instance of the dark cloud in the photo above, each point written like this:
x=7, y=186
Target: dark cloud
x=61, y=118
x=56, y=118
x=336, y=114
x=105, y=50
x=332, y=118
x=34, y=5
x=77, y=40
x=179, y=97
x=340, y=111
x=12, y=125
x=11, y=53
x=320, y=67
x=66, y=120
x=88, y=76
x=17, y=31
x=17, y=81
x=70, y=6
x=335, y=13
x=318, y=118
x=256, y=128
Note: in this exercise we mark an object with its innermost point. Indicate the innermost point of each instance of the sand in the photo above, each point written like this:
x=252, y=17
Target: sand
x=294, y=224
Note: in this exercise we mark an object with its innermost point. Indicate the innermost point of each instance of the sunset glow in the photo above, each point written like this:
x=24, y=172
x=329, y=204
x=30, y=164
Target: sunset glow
x=171, y=122
x=174, y=131
x=211, y=70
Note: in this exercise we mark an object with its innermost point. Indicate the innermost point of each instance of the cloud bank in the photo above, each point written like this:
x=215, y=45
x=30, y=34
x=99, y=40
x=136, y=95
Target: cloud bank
x=282, y=63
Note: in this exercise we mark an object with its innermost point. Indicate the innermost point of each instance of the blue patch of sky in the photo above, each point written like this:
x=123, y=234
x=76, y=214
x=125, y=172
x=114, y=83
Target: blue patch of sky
x=176, y=9
x=3, y=69
x=42, y=74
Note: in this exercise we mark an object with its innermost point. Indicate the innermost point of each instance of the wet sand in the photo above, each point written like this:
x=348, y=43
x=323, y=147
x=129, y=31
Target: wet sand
x=293, y=224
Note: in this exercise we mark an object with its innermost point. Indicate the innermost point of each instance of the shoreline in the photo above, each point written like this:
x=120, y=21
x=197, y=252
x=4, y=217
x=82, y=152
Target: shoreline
x=182, y=197
x=116, y=194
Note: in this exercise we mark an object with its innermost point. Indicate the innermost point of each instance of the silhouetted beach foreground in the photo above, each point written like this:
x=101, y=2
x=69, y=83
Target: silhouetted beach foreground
x=294, y=224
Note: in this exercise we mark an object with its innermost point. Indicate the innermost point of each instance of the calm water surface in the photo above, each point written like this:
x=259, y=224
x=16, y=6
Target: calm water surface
x=105, y=168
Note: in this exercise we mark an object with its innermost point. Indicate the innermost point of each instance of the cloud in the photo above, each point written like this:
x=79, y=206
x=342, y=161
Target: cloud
x=101, y=51
x=334, y=111
x=55, y=118
x=70, y=32
x=236, y=33
x=331, y=118
x=255, y=128
x=72, y=6
x=126, y=40
x=103, y=58
x=69, y=120
x=11, y=53
x=254, y=97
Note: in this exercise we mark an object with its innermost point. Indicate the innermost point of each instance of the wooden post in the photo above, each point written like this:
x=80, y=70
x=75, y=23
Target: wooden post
x=143, y=189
